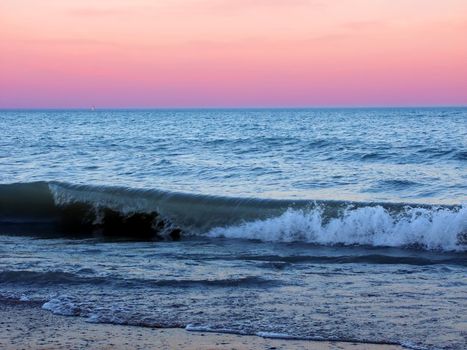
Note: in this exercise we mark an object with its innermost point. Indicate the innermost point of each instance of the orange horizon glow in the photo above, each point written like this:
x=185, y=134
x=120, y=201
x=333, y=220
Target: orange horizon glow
x=232, y=53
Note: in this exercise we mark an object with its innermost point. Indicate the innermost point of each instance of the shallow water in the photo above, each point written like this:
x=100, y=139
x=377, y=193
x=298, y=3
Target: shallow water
x=294, y=289
x=316, y=224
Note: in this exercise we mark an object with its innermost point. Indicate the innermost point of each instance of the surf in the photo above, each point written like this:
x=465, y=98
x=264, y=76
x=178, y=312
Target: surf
x=63, y=208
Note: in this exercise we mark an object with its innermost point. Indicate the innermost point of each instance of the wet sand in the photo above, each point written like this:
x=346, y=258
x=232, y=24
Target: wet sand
x=24, y=325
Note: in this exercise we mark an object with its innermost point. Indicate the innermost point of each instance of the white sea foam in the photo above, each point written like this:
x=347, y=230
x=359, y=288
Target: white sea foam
x=209, y=329
x=62, y=306
x=273, y=335
x=437, y=228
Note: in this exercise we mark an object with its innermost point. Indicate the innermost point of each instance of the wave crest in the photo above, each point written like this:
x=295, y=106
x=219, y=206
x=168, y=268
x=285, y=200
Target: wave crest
x=438, y=228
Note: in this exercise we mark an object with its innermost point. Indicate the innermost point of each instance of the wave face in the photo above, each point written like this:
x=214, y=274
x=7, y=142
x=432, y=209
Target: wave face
x=65, y=208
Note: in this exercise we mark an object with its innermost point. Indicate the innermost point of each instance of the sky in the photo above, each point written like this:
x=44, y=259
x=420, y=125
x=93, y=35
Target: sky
x=232, y=53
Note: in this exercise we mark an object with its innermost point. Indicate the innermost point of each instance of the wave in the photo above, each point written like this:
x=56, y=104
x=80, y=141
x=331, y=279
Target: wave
x=362, y=256
x=46, y=278
x=443, y=229
x=37, y=278
x=61, y=208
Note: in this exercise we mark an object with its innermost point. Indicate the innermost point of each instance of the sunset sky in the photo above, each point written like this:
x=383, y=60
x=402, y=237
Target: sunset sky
x=232, y=53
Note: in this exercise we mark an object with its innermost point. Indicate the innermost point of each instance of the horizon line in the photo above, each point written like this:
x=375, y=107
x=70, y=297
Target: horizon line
x=94, y=108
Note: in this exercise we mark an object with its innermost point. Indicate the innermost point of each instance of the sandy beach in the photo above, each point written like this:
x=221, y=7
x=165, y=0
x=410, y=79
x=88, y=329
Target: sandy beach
x=27, y=326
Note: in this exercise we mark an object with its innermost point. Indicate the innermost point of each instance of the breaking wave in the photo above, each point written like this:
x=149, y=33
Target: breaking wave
x=441, y=228
x=62, y=208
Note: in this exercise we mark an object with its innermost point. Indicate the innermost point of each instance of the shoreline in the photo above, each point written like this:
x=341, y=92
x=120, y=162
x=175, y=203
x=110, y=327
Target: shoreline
x=26, y=325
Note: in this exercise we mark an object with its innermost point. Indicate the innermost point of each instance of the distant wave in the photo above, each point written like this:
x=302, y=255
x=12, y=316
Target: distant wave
x=62, y=208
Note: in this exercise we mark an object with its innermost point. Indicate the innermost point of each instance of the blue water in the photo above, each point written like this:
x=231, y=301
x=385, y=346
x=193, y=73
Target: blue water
x=400, y=155
x=342, y=224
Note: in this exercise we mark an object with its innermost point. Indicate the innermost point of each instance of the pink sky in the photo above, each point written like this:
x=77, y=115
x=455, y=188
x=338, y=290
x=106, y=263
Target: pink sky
x=232, y=53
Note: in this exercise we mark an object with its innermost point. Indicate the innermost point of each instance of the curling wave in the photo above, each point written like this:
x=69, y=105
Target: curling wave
x=62, y=208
